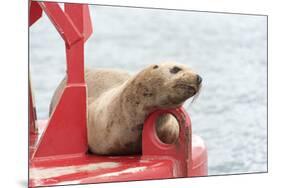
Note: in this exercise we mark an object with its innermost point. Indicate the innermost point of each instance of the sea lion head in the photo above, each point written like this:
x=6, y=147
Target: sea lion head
x=168, y=85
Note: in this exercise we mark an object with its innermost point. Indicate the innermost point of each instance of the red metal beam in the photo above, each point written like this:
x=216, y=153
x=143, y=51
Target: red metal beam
x=35, y=12
x=31, y=110
x=62, y=22
x=66, y=132
x=88, y=27
x=85, y=27
x=70, y=115
x=75, y=53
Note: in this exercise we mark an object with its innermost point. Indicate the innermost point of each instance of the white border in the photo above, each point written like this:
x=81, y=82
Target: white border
x=13, y=99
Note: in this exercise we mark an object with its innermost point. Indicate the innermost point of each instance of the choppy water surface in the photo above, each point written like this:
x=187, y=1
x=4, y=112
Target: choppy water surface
x=228, y=51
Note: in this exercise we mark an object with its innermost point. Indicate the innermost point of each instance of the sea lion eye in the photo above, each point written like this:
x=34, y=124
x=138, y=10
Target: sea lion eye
x=175, y=70
x=155, y=67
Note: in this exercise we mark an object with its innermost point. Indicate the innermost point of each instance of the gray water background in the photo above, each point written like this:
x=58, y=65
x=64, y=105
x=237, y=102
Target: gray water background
x=228, y=50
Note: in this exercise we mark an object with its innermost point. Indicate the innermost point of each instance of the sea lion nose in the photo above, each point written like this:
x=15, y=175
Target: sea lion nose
x=199, y=79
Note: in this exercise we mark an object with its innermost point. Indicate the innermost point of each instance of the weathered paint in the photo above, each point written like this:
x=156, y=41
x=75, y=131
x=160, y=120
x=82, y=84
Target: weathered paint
x=43, y=173
x=95, y=169
x=90, y=169
x=128, y=170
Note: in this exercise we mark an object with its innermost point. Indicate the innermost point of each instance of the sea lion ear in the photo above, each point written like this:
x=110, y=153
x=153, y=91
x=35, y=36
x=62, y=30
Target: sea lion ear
x=155, y=66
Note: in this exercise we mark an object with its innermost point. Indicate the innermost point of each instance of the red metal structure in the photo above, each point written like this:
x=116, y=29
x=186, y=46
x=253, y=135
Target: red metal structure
x=58, y=146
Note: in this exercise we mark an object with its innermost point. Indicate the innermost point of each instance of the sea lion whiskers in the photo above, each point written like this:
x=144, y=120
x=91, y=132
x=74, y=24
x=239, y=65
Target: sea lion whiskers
x=195, y=97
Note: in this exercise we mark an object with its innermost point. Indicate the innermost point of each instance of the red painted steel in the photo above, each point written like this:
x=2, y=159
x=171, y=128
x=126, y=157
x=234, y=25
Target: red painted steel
x=69, y=117
x=95, y=169
x=88, y=27
x=152, y=145
x=31, y=110
x=199, y=163
x=66, y=131
x=84, y=168
x=62, y=22
x=75, y=69
x=75, y=54
x=85, y=26
x=58, y=153
x=35, y=12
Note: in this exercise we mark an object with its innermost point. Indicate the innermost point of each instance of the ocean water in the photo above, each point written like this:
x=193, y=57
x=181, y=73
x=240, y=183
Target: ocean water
x=229, y=51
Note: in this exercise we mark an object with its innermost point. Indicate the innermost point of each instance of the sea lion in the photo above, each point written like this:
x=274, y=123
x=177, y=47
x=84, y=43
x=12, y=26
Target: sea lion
x=118, y=104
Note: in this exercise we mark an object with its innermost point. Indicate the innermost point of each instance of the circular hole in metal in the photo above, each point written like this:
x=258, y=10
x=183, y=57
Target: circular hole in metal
x=167, y=128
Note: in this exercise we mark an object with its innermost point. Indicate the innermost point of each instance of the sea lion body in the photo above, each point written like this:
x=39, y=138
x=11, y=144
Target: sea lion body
x=119, y=103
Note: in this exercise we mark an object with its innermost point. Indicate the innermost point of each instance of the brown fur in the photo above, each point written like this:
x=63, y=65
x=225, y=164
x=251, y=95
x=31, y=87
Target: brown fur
x=119, y=103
